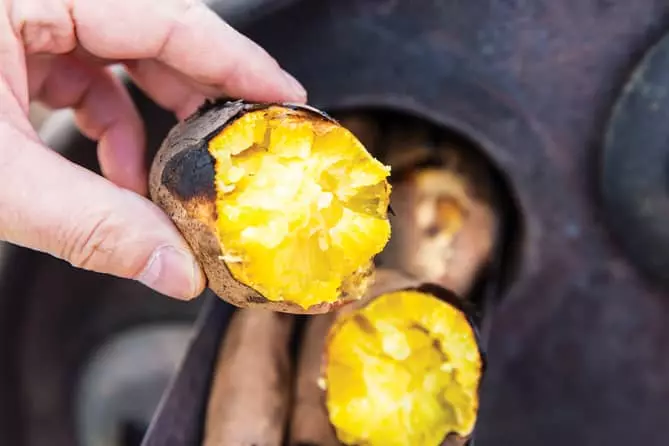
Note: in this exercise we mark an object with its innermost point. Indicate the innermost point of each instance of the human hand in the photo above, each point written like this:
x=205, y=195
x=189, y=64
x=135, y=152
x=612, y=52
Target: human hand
x=179, y=52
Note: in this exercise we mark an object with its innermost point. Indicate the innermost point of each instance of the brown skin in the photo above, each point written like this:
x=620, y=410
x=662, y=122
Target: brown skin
x=455, y=440
x=309, y=423
x=250, y=396
x=181, y=182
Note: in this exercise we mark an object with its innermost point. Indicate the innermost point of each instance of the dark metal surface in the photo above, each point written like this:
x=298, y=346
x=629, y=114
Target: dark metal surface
x=181, y=412
x=241, y=12
x=635, y=180
x=578, y=351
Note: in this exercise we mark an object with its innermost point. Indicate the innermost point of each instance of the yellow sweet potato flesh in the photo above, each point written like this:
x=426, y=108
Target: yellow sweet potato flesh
x=403, y=370
x=301, y=206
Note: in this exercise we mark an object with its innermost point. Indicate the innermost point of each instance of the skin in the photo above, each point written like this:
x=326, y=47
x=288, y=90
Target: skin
x=58, y=52
x=309, y=423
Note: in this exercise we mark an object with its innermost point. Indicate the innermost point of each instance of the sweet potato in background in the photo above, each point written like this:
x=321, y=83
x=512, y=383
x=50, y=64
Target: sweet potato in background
x=251, y=388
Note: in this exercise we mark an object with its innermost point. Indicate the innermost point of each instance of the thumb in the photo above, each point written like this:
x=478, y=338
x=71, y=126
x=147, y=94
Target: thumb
x=52, y=205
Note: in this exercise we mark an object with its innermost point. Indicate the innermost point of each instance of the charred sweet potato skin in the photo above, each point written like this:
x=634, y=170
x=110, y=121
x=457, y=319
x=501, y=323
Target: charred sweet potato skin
x=182, y=184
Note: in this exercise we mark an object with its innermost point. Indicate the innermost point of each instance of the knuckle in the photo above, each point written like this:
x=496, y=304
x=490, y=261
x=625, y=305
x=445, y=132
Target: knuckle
x=182, y=10
x=100, y=245
x=85, y=246
x=44, y=27
x=232, y=75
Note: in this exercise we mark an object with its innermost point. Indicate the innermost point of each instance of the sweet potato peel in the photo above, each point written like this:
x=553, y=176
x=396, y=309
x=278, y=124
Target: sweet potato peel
x=250, y=397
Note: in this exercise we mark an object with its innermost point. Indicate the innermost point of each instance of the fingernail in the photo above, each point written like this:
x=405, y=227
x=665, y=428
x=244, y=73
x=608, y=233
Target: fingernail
x=295, y=86
x=172, y=272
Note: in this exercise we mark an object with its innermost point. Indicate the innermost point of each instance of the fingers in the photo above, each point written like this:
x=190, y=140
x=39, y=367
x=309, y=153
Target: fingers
x=183, y=34
x=57, y=207
x=104, y=112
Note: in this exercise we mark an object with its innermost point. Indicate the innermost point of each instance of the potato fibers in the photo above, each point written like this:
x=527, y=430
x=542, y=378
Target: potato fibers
x=403, y=370
x=294, y=204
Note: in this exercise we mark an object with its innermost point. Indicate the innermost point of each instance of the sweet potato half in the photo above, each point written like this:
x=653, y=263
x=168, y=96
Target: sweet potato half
x=284, y=208
x=404, y=368
x=250, y=391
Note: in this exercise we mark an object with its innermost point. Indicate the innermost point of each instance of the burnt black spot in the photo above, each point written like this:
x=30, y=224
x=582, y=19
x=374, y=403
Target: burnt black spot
x=190, y=174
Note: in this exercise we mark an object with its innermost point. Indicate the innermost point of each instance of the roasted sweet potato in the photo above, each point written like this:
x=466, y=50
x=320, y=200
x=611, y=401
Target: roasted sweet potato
x=251, y=389
x=284, y=208
x=401, y=366
x=404, y=368
x=309, y=423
